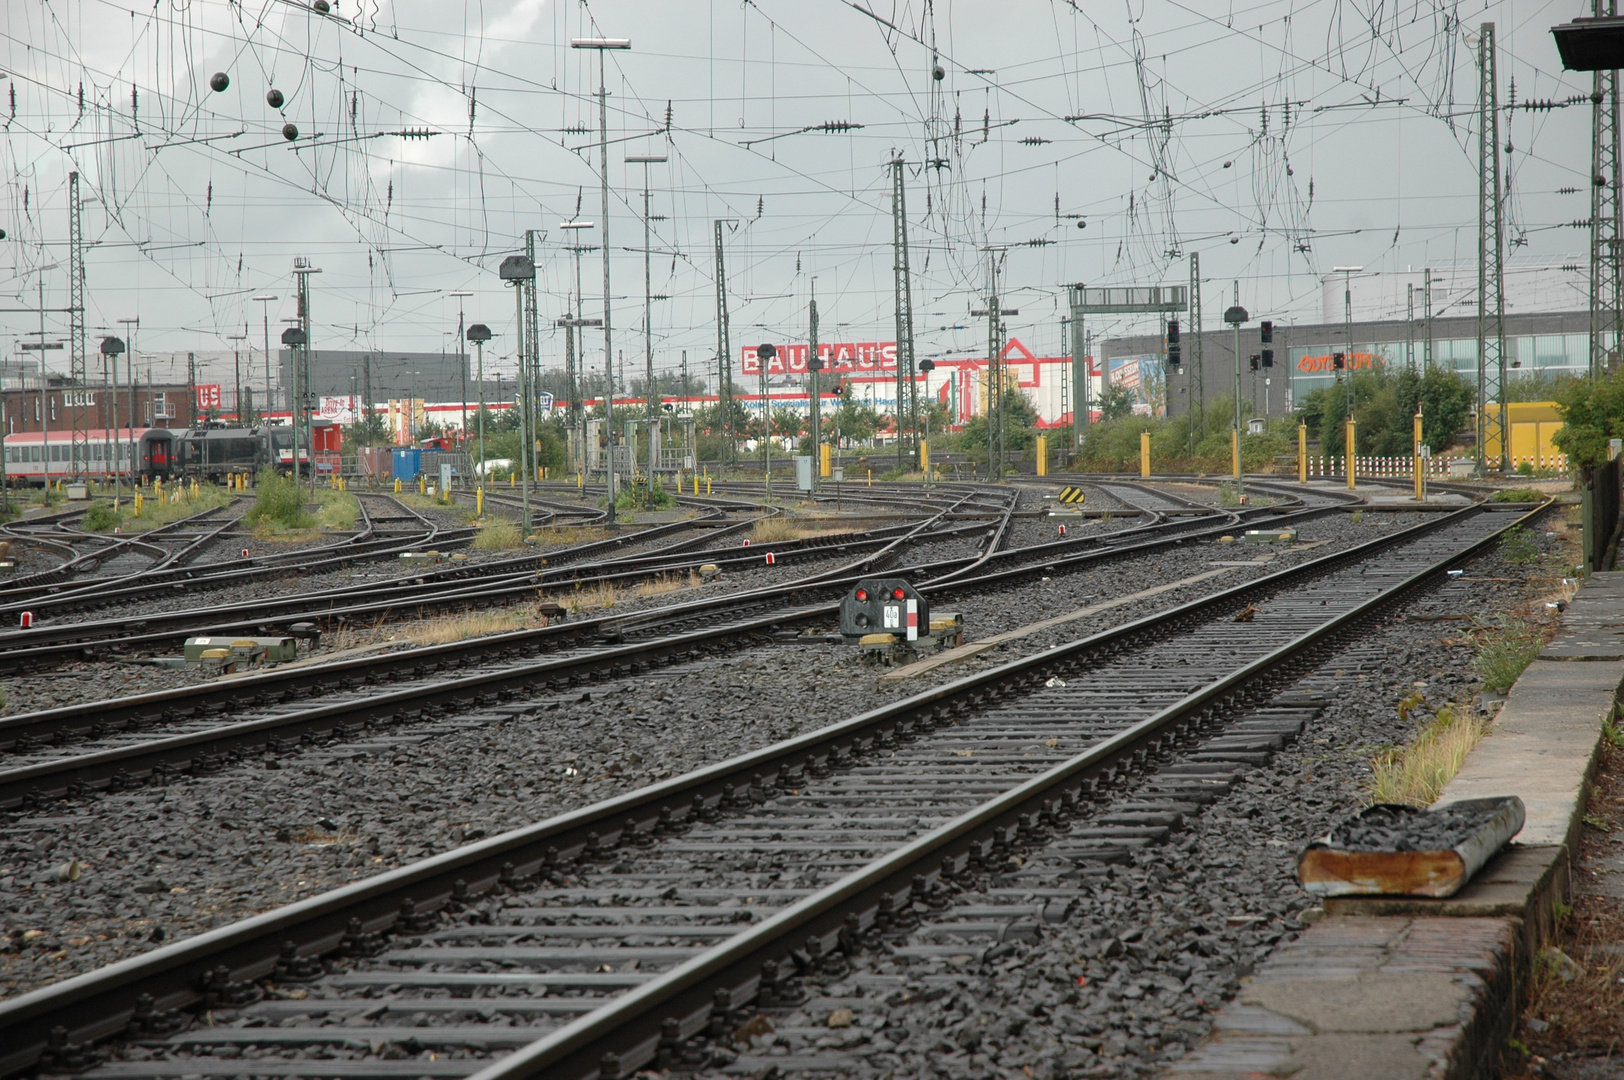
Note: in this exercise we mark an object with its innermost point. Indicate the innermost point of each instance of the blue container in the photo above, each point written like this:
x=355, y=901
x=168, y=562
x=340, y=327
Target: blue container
x=408, y=463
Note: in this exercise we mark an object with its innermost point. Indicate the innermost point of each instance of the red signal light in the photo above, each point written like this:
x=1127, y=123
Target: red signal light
x=897, y=594
x=862, y=594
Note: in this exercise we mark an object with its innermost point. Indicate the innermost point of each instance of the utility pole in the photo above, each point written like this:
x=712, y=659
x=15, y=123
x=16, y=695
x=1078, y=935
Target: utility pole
x=601, y=45
x=301, y=358
x=1426, y=303
x=1491, y=307
x=724, y=352
x=1198, y=390
x=814, y=364
x=906, y=395
x=236, y=368
x=532, y=350
x=574, y=367
x=1409, y=329
x=1606, y=206
x=995, y=369
x=646, y=160
x=132, y=324
x=78, y=377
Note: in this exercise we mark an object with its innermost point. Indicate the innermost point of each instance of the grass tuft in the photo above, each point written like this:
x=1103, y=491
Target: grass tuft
x=1505, y=651
x=1519, y=546
x=775, y=530
x=1416, y=773
x=498, y=536
x=1517, y=495
x=278, y=505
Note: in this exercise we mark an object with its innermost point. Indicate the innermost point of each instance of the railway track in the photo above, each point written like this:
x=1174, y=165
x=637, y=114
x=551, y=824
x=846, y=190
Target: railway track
x=198, y=733
x=648, y=928
x=48, y=598
x=434, y=591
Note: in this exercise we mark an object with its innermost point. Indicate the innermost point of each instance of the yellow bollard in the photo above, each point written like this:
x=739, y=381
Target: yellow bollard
x=479, y=502
x=1144, y=455
x=924, y=458
x=707, y=485
x=1420, y=462
x=825, y=462
x=1302, y=452
x=1349, y=447
x=422, y=484
x=1235, y=451
x=696, y=483
x=137, y=504
x=871, y=478
x=580, y=481
x=397, y=485
x=513, y=478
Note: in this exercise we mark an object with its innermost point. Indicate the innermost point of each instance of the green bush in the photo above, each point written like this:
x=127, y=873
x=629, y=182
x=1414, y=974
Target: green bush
x=101, y=518
x=1517, y=495
x=278, y=502
x=657, y=497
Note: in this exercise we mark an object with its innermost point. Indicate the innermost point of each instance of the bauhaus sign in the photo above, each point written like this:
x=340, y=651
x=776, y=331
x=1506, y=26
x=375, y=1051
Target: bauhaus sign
x=839, y=358
x=1359, y=361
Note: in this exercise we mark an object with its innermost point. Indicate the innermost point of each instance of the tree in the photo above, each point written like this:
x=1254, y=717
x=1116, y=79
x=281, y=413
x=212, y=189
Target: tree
x=1117, y=402
x=1592, y=412
x=788, y=422
x=370, y=430
x=1384, y=404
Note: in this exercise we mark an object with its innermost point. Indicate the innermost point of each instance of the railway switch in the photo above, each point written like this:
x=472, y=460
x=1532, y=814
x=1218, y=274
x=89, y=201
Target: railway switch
x=238, y=653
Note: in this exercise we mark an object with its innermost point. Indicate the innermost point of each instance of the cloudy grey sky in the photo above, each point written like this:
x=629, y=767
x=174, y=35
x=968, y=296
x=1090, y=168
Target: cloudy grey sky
x=1277, y=138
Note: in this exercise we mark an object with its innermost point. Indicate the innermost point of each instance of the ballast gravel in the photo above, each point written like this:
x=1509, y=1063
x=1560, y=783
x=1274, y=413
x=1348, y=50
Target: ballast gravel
x=176, y=860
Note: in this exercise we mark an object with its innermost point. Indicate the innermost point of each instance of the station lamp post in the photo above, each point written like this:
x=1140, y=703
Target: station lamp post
x=1234, y=316
x=522, y=273
x=294, y=338
x=111, y=347
x=764, y=354
x=479, y=334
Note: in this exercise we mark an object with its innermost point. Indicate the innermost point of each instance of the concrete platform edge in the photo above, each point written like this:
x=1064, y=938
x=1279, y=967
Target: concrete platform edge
x=1368, y=991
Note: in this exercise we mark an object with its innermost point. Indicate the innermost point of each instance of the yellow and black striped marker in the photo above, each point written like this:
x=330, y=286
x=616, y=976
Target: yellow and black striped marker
x=1071, y=495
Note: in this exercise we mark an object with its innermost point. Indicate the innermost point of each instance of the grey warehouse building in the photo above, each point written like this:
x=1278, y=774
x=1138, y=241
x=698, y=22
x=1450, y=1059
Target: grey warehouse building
x=393, y=375
x=1555, y=343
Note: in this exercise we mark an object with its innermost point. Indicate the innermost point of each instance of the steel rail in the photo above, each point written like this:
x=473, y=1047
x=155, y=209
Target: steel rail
x=33, y=584
x=42, y=643
x=99, y=1004
x=110, y=716
x=625, y=1033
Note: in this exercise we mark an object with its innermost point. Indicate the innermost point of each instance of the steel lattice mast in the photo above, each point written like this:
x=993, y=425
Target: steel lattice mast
x=724, y=351
x=907, y=393
x=1606, y=215
x=532, y=351
x=1198, y=390
x=78, y=377
x=1491, y=307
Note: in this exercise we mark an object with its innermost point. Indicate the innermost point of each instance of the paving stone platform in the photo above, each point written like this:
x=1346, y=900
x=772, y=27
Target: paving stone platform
x=1418, y=989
